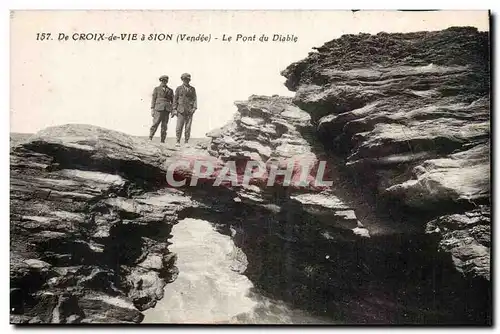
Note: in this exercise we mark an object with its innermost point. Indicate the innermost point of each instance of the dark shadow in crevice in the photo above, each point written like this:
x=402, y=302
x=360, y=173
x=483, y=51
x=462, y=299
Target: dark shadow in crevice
x=398, y=279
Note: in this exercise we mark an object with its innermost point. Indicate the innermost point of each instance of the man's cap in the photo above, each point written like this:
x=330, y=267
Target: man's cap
x=185, y=75
x=164, y=77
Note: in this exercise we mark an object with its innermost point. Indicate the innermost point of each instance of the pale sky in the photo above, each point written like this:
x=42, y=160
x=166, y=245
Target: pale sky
x=109, y=84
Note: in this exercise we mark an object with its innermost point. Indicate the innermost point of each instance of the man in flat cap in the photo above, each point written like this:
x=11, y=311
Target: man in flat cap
x=161, y=106
x=185, y=104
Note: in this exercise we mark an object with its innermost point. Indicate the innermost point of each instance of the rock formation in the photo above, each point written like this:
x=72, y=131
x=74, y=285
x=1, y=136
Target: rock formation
x=401, y=236
x=411, y=115
x=92, y=212
x=86, y=245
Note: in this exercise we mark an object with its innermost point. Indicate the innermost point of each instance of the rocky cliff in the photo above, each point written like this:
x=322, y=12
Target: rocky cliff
x=411, y=115
x=401, y=236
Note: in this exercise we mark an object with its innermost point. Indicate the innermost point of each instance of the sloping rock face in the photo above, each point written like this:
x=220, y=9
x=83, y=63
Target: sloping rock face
x=90, y=219
x=411, y=115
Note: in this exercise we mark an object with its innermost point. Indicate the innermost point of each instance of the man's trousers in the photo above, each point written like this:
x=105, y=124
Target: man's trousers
x=159, y=117
x=183, y=121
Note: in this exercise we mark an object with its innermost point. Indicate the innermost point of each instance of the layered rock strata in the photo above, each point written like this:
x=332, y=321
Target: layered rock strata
x=411, y=115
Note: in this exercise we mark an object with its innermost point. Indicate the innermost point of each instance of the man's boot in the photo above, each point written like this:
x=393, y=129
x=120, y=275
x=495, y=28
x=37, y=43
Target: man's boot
x=163, y=138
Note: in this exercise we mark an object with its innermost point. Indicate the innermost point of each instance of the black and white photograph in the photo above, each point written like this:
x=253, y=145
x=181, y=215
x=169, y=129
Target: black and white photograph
x=250, y=167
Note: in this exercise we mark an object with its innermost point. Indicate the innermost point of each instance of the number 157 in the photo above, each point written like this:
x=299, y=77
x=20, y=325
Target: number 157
x=42, y=36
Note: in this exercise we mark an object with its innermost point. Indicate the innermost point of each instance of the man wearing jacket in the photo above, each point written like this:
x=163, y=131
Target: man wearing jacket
x=161, y=106
x=185, y=104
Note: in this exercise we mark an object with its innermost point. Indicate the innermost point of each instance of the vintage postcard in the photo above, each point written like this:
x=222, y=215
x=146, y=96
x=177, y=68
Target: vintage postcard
x=250, y=167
